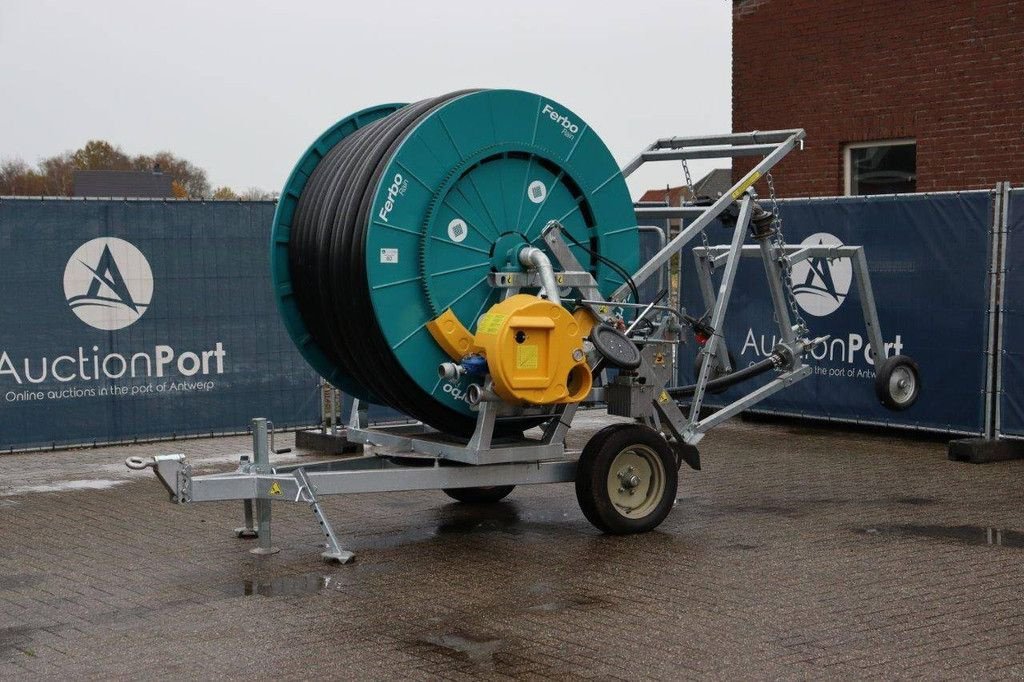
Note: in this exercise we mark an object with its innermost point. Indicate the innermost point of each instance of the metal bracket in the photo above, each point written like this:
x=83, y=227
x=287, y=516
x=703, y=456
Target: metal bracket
x=307, y=493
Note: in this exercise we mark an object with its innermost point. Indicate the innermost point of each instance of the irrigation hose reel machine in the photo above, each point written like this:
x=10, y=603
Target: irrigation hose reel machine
x=472, y=260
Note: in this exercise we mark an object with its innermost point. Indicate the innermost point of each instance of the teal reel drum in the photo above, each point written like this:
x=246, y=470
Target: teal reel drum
x=400, y=212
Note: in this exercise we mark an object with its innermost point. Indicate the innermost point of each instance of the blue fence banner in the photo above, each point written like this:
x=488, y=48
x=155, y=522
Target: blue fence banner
x=139, y=319
x=928, y=257
x=1011, y=357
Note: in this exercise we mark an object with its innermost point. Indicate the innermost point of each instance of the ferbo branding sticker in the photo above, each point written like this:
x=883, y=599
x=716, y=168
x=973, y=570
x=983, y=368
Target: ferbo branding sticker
x=569, y=129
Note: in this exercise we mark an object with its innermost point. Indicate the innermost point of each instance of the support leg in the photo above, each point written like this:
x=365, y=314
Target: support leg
x=263, y=516
x=248, y=530
x=261, y=456
x=334, y=551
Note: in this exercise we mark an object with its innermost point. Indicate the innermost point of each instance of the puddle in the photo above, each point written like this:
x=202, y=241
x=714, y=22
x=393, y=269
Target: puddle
x=915, y=501
x=503, y=518
x=15, y=642
x=495, y=518
x=62, y=486
x=970, y=535
x=20, y=580
x=285, y=586
x=558, y=605
x=459, y=645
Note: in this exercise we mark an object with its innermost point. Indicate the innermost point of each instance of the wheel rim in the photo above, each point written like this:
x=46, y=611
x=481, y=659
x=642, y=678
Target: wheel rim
x=902, y=384
x=636, y=481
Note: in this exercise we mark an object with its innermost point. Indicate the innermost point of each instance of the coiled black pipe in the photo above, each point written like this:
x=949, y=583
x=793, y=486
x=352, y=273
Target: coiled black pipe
x=327, y=258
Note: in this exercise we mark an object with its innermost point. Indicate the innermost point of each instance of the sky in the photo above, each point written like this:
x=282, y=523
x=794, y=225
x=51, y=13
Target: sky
x=242, y=88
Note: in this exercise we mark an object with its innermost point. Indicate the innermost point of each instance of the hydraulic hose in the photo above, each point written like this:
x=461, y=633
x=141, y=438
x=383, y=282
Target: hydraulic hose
x=327, y=256
x=728, y=380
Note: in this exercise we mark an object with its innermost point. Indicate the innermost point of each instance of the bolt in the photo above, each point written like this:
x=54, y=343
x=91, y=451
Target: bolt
x=578, y=355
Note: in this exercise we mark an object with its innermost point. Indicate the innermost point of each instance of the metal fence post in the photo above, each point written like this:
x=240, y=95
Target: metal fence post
x=990, y=342
x=997, y=343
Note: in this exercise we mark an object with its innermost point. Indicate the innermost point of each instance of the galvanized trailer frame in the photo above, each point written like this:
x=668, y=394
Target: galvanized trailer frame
x=416, y=457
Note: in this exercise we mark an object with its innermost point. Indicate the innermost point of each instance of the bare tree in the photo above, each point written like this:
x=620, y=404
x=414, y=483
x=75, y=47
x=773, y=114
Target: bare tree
x=17, y=178
x=257, y=194
x=54, y=175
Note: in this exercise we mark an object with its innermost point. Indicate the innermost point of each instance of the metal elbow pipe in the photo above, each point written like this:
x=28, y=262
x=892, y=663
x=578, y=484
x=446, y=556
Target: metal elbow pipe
x=450, y=370
x=477, y=394
x=532, y=257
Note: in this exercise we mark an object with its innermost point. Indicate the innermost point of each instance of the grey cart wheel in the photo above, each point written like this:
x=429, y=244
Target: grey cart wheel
x=898, y=382
x=479, y=495
x=626, y=479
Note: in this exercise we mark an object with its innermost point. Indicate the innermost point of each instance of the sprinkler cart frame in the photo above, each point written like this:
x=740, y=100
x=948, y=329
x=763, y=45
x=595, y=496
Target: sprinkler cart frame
x=418, y=457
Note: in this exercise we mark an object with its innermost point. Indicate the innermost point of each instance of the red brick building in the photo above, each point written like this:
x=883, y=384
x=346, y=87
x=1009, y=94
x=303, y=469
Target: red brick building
x=916, y=95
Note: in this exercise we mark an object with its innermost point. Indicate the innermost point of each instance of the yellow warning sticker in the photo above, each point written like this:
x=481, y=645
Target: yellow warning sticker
x=275, y=488
x=560, y=279
x=754, y=177
x=603, y=310
x=490, y=323
x=664, y=397
x=527, y=357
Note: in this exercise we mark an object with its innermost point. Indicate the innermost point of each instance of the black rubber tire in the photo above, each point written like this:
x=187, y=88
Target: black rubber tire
x=592, y=477
x=716, y=372
x=483, y=495
x=883, y=375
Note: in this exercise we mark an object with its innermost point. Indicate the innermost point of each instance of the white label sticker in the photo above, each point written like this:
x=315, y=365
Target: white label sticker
x=457, y=230
x=389, y=255
x=537, y=191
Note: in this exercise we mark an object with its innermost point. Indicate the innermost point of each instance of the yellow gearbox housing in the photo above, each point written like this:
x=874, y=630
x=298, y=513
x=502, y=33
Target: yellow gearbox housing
x=534, y=351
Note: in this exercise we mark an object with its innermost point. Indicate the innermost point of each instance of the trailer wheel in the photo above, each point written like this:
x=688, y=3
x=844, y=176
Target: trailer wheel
x=626, y=479
x=898, y=382
x=482, y=495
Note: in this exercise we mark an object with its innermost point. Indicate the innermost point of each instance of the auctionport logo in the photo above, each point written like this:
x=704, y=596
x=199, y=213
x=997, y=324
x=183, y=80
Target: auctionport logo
x=108, y=283
x=822, y=284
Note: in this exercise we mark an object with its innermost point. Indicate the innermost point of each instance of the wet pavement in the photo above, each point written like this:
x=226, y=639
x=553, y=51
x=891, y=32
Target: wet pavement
x=797, y=552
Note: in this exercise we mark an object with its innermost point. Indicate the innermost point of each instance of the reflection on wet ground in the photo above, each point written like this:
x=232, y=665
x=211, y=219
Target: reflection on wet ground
x=288, y=585
x=15, y=641
x=564, y=604
x=502, y=518
x=797, y=508
x=20, y=580
x=467, y=647
x=971, y=535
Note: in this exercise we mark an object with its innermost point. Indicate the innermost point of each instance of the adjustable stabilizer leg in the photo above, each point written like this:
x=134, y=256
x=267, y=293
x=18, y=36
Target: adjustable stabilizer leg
x=334, y=552
x=249, y=529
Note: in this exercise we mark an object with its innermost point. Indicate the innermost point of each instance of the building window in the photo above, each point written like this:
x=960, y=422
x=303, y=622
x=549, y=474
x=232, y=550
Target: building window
x=888, y=167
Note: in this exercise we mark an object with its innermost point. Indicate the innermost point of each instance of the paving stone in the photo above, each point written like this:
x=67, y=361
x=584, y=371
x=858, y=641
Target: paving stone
x=797, y=552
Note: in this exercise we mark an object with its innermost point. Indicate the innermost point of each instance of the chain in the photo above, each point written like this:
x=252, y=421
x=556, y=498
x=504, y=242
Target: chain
x=779, y=243
x=693, y=198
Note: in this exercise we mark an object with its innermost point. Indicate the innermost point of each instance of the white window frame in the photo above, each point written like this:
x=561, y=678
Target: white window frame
x=848, y=157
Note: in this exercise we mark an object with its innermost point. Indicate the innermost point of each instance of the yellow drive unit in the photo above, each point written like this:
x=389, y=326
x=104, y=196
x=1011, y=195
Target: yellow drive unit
x=534, y=351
